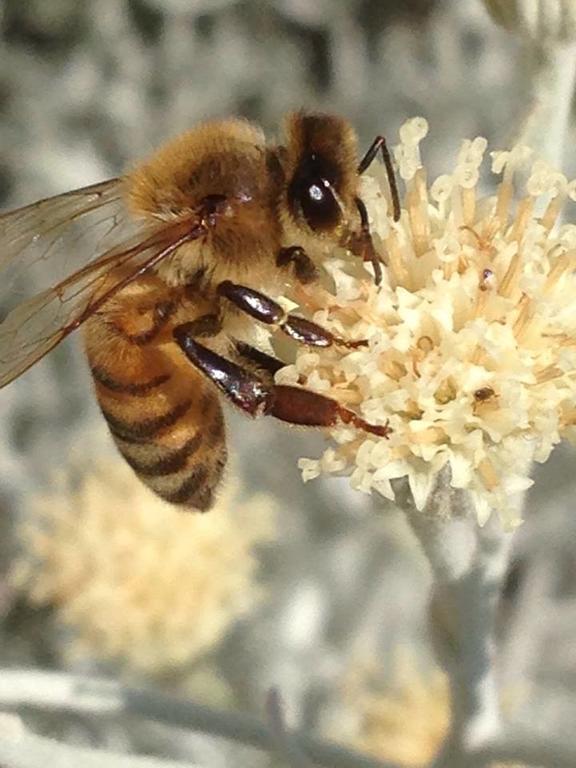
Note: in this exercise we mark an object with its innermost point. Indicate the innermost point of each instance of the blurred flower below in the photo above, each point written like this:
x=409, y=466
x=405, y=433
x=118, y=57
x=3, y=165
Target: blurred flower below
x=404, y=722
x=136, y=580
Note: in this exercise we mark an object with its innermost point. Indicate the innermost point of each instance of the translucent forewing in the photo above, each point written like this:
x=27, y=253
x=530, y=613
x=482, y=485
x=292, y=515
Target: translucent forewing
x=45, y=292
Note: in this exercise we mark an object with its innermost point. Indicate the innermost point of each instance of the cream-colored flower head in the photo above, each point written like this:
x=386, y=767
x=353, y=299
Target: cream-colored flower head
x=405, y=722
x=471, y=353
x=136, y=580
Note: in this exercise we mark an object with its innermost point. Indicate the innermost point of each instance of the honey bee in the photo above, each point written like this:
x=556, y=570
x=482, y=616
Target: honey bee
x=178, y=255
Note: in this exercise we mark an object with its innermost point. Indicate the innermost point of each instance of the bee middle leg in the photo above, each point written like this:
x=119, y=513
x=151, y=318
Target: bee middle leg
x=248, y=391
x=266, y=310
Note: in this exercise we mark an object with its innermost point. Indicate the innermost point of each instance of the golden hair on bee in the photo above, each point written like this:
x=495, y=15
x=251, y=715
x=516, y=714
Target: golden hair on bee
x=222, y=168
x=166, y=182
x=182, y=256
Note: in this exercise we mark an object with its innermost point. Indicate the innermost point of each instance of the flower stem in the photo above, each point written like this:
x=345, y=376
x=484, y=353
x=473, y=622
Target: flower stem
x=58, y=691
x=20, y=748
x=468, y=564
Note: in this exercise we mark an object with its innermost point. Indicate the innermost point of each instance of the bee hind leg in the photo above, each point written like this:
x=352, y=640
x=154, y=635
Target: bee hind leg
x=268, y=311
x=260, y=360
x=256, y=397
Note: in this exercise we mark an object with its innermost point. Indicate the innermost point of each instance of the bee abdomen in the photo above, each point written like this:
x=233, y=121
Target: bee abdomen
x=167, y=462
x=165, y=420
x=137, y=389
x=186, y=476
x=141, y=430
x=193, y=487
x=175, y=454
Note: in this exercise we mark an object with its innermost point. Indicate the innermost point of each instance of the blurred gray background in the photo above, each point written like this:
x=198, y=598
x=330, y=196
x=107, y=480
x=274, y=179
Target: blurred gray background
x=88, y=87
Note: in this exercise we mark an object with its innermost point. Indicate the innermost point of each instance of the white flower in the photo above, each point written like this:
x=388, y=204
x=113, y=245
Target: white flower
x=472, y=334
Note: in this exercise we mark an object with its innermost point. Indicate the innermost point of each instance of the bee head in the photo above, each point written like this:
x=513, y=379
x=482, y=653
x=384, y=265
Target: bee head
x=320, y=166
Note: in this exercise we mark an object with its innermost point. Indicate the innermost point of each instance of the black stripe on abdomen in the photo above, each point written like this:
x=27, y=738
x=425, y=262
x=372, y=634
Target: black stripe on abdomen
x=142, y=431
x=169, y=462
x=137, y=389
x=188, y=490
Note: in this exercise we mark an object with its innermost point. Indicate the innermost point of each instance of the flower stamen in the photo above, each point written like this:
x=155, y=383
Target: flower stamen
x=471, y=335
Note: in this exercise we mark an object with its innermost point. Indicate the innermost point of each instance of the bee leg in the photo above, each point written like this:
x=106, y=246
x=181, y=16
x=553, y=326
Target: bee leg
x=268, y=311
x=304, y=268
x=296, y=405
x=256, y=397
x=259, y=359
x=379, y=143
x=363, y=243
x=206, y=326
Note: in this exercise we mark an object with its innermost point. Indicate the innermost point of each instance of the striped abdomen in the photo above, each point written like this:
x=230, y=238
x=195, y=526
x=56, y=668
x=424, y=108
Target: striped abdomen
x=164, y=417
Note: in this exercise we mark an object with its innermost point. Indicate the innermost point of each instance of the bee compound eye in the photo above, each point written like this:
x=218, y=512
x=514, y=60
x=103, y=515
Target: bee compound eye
x=311, y=195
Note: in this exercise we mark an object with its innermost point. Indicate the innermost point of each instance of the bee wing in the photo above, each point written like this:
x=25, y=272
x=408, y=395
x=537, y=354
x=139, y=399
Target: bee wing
x=36, y=244
x=31, y=234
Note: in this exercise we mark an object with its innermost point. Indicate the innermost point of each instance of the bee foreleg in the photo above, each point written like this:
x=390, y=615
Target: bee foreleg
x=379, y=143
x=247, y=391
x=363, y=243
x=304, y=268
x=268, y=311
